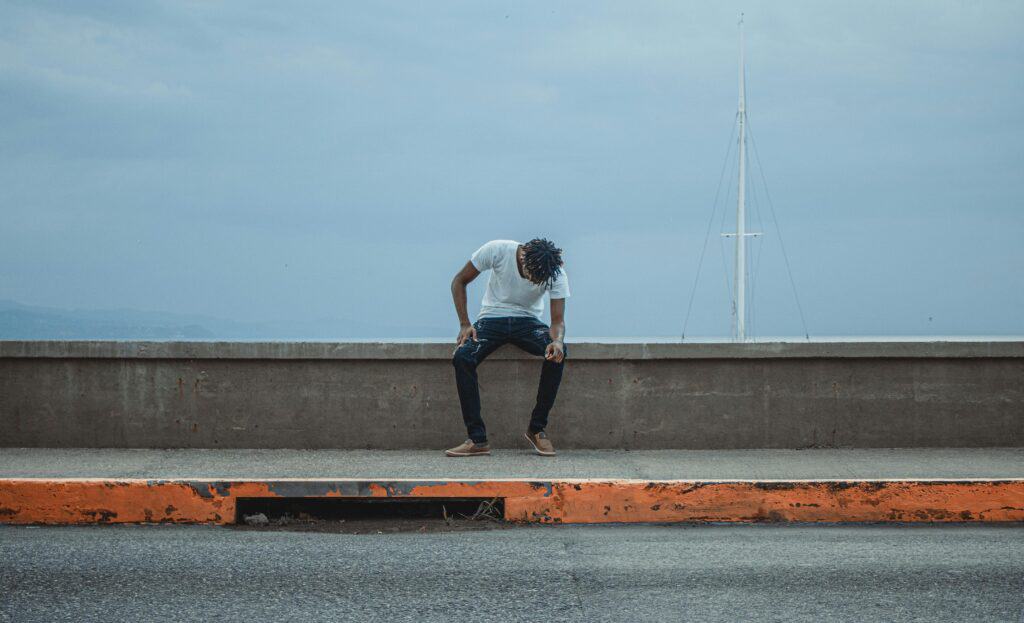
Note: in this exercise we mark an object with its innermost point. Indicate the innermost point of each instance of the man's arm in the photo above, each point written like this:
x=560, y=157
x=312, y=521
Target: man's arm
x=555, y=349
x=464, y=277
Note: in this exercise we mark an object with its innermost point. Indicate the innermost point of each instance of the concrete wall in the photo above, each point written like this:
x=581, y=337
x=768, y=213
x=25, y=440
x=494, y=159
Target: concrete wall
x=395, y=395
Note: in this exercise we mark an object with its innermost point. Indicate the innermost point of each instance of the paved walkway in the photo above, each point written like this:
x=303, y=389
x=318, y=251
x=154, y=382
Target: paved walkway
x=939, y=463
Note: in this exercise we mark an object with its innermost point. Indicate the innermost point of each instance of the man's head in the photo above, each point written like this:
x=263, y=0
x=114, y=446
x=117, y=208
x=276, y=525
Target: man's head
x=542, y=261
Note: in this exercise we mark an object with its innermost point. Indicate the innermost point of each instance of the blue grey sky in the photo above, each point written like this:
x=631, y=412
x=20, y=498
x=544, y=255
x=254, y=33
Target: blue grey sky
x=321, y=160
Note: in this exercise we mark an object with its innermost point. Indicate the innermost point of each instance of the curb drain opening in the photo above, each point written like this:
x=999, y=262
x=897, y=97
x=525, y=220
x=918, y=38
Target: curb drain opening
x=282, y=511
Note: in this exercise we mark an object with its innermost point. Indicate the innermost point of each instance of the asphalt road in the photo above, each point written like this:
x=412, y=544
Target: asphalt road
x=600, y=573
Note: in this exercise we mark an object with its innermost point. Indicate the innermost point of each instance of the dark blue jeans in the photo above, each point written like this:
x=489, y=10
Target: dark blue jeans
x=527, y=333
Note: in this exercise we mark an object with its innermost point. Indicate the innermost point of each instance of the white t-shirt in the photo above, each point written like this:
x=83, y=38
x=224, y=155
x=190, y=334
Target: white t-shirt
x=509, y=293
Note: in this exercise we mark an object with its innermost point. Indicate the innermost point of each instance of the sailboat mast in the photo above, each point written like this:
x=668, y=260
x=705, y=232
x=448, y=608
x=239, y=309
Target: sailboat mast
x=741, y=217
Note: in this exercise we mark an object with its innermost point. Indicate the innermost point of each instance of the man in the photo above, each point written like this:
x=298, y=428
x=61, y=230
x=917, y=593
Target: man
x=510, y=313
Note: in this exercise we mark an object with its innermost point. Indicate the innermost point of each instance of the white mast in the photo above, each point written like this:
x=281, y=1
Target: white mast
x=739, y=308
x=741, y=216
x=739, y=302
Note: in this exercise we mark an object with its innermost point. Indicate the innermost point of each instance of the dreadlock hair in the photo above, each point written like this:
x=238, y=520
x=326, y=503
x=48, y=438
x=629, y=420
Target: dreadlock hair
x=543, y=260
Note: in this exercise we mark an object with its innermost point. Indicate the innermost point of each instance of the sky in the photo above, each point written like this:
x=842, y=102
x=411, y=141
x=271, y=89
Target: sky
x=267, y=161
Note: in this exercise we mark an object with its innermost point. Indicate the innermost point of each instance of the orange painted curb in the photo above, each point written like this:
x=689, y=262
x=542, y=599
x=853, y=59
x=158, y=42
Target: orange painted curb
x=85, y=501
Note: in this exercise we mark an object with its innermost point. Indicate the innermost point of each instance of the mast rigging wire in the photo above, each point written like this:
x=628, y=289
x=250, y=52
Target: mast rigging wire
x=707, y=234
x=778, y=230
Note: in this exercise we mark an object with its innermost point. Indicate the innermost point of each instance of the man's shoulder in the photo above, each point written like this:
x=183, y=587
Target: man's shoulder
x=559, y=289
x=491, y=254
x=498, y=248
x=502, y=243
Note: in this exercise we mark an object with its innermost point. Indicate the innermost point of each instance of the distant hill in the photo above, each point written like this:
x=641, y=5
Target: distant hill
x=28, y=322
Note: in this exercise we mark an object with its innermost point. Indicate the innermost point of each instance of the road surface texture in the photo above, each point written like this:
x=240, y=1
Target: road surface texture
x=566, y=573
x=818, y=464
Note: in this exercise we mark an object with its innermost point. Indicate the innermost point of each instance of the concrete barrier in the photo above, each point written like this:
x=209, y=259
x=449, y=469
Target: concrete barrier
x=402, y=395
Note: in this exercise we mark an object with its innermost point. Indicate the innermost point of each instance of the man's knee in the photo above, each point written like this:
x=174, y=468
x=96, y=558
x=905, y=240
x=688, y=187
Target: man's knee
x=464, y=357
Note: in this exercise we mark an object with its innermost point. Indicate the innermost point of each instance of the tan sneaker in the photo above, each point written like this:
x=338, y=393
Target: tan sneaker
x=541, y=443
x=468, y=448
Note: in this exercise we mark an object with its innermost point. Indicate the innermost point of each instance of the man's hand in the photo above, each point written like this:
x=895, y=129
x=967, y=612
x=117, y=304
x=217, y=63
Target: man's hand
x=554, y=352
x=467, y=332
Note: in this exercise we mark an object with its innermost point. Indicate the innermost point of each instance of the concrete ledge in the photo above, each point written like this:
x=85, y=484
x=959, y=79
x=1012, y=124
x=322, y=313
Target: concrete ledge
x=69, y=501
x=443, y=350
x=402, y=396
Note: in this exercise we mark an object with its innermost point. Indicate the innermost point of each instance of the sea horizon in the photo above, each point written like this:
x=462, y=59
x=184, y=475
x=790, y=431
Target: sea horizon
x=588, y=339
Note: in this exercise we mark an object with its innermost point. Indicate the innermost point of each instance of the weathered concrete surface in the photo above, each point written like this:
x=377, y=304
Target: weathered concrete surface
x=402, y=396
x=761, y=465
x=64, y=501
x=98, y=349
x=68, y=486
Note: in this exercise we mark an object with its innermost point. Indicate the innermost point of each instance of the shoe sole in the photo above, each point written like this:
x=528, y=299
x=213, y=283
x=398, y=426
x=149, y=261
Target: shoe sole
x=462, y=454
x=536, y=449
